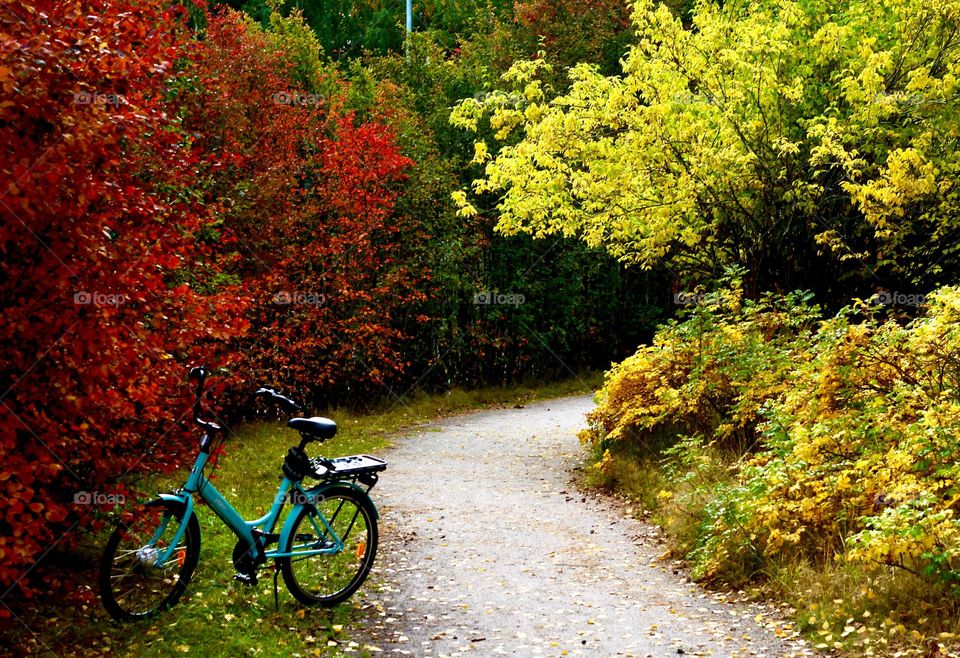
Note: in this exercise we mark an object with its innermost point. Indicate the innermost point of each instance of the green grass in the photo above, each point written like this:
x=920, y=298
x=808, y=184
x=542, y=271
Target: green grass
x=838, y=604
x=218, y=617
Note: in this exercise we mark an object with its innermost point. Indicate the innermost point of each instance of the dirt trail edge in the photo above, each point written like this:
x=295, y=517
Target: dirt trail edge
x=487, y=548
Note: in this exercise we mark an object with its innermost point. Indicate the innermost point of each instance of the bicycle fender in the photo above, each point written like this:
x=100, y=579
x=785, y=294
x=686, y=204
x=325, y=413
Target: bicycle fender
x=187, y=501
x=320, y=488
x=183, y=499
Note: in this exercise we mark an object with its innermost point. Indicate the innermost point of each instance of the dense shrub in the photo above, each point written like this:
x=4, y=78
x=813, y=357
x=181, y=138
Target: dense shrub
x=99, y=217
x=308, y=222
x=707, y=375
x=167, y=200
x=845, y=433
x=861, y=454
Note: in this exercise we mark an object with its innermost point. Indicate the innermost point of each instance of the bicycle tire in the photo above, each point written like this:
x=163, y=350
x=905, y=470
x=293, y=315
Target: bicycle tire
x=314, y=580
x=131, y=588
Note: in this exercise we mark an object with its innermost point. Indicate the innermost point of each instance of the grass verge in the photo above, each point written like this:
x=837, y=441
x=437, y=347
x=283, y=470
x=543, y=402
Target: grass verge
x=838, y=605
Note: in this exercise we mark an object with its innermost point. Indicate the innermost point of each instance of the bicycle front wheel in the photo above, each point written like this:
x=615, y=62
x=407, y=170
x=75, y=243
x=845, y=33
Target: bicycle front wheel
x=136, y=582
x=343, y=524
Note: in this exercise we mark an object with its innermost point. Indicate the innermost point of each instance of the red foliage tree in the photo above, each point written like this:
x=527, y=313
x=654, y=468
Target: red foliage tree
x=309, y=194
x=98, y=219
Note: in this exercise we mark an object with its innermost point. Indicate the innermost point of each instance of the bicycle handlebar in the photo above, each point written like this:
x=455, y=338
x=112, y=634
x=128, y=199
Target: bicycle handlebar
x=278, y=398
x=200, y=374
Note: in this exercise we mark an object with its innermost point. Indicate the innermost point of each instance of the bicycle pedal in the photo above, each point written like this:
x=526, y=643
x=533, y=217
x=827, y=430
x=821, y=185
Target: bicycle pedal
x=246, y=578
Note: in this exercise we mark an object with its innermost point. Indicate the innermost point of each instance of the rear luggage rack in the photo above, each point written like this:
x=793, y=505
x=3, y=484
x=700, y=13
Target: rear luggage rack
x=362, y=468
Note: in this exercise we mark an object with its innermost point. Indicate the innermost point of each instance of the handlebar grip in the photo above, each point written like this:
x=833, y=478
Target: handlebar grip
x=200, y=374
x=290, y=403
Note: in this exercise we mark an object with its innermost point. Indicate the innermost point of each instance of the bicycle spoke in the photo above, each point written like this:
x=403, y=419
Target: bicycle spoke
x=132, y=584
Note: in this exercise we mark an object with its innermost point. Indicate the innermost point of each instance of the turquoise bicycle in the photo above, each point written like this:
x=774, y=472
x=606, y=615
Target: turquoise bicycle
x=324, y=549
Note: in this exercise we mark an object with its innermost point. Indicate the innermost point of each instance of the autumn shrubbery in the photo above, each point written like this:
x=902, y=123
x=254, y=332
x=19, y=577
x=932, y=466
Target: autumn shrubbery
x=707, y=375
x=833, y=443
x=98, y=215
x=307, y=224
x=168, y=200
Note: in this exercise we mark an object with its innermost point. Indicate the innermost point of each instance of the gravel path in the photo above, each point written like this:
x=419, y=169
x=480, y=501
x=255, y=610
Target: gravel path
x=487, y=548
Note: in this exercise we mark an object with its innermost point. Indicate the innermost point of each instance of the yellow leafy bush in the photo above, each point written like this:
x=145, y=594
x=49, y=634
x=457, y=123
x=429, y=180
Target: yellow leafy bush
x=861, y=454
x=708, y=375
x=844, y=434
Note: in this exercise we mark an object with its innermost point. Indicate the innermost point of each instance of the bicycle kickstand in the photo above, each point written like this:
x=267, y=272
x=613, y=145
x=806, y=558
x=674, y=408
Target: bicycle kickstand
x=276, y=593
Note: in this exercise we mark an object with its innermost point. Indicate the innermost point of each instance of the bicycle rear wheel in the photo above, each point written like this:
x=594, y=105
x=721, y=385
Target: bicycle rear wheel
x=132, y=583
x=331, y=578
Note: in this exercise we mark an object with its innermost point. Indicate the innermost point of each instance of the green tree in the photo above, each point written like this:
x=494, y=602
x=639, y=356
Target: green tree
x=345, y=28
x=567, y=306
x=576, y=31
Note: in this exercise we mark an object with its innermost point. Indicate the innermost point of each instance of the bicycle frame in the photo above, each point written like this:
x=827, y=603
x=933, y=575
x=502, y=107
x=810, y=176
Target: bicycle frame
x=244, y=530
